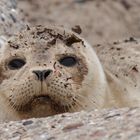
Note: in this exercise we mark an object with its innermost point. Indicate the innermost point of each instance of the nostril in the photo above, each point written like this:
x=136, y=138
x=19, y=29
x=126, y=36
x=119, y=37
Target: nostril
x=42, y=74
x=38, y=74
x=46, y=73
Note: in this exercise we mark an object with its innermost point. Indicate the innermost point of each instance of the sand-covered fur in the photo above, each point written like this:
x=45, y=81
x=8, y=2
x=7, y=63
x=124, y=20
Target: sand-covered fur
x=70, y=84
x=50, y=70
x=121, y=60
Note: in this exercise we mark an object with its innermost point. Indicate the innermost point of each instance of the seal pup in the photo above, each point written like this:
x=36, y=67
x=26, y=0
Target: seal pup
x=50, y=70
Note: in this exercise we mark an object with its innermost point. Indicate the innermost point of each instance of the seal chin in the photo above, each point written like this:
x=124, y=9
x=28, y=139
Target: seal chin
x=43, y=104
x=43, y=100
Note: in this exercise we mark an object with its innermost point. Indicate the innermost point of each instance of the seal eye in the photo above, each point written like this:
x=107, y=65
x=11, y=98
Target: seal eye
x=68, y=61
x=16, y=64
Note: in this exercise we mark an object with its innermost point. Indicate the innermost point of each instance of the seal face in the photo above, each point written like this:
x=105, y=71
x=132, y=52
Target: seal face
x=49, y=70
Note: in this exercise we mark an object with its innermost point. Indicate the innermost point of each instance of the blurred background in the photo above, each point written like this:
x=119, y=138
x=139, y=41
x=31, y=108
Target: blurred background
x=100, y=20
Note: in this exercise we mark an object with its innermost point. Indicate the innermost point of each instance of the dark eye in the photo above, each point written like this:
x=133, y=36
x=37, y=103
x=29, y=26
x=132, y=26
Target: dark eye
x=16, y=64
x=68, y=61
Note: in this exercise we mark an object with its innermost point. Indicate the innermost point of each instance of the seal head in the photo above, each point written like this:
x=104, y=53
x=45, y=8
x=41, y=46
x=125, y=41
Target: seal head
x=50, y=70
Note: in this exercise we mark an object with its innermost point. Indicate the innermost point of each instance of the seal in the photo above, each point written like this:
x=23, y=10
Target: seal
x=50, y=70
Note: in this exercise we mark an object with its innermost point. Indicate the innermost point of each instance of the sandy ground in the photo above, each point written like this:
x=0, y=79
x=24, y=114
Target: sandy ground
x=100, y=20
x=10, y=19
x=121, y=124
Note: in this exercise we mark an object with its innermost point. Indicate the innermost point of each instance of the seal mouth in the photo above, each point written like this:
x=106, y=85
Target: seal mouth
x=42, y=98
x=46, y=104
x=41, y=105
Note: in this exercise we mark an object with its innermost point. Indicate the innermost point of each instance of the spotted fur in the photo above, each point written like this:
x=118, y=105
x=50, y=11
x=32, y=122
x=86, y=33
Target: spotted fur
x=67, y=89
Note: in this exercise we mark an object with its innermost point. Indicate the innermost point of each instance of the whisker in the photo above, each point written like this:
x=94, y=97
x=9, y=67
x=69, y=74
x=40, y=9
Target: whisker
x=89, y=100
x=95, y=99
x=84, y=84
x=79, y=103
x=65, y=109
x=73, y=108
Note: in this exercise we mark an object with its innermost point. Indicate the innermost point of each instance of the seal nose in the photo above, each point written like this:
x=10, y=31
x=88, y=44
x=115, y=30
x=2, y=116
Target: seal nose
x=42, y=74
